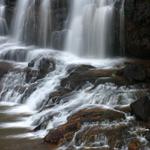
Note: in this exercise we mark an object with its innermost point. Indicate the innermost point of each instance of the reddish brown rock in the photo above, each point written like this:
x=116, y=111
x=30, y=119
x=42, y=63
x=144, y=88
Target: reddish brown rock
x=134, y=145
x=5, y=67
x=66, y=132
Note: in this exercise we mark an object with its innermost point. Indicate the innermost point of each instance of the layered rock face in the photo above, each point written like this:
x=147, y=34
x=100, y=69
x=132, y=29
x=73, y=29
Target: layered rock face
x=137, y=28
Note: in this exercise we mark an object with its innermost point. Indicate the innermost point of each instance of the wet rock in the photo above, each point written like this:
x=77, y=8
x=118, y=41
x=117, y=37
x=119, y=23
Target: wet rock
x=31, y=75
x=55, y=98
x=125, y=109
x=140, y=108
x=118, y=80
x=79, y=68
x=5, y=67
x=39, y=68
x=64, y=133
x=45, y=66
x=134, y=72
x=134, y=144
x=96, y=114
x=57, y=95
x=78, y=78
x=100, y=137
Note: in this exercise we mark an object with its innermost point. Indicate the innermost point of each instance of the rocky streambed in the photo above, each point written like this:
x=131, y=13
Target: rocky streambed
x=91, y=107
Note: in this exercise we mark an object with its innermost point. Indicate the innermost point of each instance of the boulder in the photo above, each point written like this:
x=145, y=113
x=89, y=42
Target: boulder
x=134, y=72
x=5, y=67
x=140, y=108
x=77, y=78
x=38, y=68
x=66, y=132
x=45, y=66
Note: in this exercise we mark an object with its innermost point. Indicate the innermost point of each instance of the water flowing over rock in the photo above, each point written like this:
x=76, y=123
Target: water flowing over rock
x=74, y=99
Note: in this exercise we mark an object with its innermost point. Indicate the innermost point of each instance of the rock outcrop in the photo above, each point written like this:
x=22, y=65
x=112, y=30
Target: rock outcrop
x=66, y=132
x=137, y=28
x=140, y=108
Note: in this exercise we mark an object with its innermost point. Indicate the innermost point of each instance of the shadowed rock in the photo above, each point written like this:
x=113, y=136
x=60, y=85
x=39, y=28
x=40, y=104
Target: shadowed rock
x=140, y=108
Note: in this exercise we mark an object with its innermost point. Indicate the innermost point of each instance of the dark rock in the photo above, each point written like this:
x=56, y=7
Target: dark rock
x=5, y=67
x=137, y=28
x=79, y=68
x=140, y=108
x=148, y=137
x=39, y=68
x=45, y=66
x=78, y=78
x=31, y=75
x=134, y=72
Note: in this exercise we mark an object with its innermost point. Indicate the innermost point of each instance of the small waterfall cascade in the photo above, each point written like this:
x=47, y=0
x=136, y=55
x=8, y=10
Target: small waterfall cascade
x=90, y=29
x=50, y=86
x=3, y=25
x=32, y=22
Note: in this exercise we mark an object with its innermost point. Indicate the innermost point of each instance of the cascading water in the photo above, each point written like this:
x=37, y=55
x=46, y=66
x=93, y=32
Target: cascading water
x=32, y=22
x=47, y=82
x=45, y=22
x=20, y=19
x=3, y=24
x=90, y=30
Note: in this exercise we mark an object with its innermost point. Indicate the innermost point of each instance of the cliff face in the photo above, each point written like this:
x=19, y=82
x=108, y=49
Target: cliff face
x=137, y=25
x=137, y=28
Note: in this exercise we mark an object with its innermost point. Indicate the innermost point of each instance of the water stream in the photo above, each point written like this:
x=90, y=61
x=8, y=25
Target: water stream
x=88, y=42
x=90, y=31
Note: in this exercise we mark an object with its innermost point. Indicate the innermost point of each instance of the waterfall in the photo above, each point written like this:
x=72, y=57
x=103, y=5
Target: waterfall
x=90, y=29
x=45, y=22
x=3, y=24
x=122, y=31
x=19, y=19
x=32, y=22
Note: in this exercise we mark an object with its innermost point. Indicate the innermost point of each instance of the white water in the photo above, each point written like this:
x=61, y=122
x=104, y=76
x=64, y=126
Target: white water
x=19, y=19
x=45, y=22
x=90, y=29
x=87, y=96
x=89, y=36
x=31, y=25
x=3, y=24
